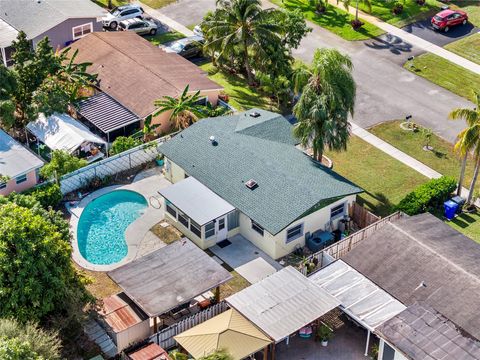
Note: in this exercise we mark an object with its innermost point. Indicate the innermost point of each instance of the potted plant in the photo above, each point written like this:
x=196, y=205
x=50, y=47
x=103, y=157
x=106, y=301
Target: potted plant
x=324, y=333
x=160, y=160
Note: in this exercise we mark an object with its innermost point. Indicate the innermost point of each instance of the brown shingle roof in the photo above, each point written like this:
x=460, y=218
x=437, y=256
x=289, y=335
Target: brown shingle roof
x=136, y=73
x=422, y=259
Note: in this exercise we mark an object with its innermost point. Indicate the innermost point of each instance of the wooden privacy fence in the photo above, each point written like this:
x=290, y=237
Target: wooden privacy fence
x=361, y=216
x=342, y=247
x=164, y=338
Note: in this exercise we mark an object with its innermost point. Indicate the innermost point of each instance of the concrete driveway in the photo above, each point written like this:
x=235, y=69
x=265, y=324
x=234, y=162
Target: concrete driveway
x=188, y=12
x=424, y=30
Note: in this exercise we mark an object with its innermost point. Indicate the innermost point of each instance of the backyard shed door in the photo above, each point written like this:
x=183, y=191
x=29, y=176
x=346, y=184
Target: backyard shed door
x=222, y=228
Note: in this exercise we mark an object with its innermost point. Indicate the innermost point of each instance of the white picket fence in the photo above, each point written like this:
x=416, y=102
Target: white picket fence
x=111, y=166
x=164, y=338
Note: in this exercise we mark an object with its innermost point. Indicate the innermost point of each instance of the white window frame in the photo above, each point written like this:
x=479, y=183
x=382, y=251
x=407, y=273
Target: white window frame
x=296, y=236
x=83, y=34
x=210, y=230
x=258, y=228
x=333, y=217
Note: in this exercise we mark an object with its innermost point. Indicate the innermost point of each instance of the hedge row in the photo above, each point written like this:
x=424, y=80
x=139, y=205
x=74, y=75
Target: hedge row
x=47, y=195
x=428, y=196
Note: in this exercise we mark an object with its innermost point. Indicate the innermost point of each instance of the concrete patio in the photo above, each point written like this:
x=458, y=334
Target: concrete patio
x=348, y=343
x=246, y=259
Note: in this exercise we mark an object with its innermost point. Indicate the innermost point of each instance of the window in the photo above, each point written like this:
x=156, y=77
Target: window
x=82, y=30
x=209, y=229
x=183, y=219
x=294, y=232
x=233, y=220
x=388, y=352
x=21, y=179
x=257, y=228
x=3, y=185
x=171, y=210
x=221, y=224
x=195, y=228
x=337, y=211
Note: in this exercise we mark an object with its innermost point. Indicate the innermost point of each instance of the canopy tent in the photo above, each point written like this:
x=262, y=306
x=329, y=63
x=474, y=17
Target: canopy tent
x=283, y=303
x=62, y=132
x=230, y=331
x=196, y=200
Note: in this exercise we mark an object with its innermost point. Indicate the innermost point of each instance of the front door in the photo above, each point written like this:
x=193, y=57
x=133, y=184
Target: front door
x=222, y=228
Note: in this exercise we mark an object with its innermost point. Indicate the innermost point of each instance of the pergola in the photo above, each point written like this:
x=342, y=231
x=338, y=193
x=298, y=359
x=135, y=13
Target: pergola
x=169, y=277
x=362, y=300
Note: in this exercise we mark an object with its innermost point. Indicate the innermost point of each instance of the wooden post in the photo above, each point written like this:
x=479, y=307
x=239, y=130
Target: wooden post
x=217, y=294
x=265, y=353
x=272, y=357
x=155, y=325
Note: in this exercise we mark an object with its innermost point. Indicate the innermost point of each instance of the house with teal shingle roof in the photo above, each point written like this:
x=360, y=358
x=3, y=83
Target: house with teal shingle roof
x=243, y=174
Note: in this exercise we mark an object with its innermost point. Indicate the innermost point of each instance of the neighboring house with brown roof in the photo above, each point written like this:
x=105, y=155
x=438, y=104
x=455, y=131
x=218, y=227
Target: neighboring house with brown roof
x=135, y=73
x=420, y=259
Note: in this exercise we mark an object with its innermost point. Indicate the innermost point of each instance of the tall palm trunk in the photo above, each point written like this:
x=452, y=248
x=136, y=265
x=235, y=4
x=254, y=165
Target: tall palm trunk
x=474, y=180
x=356, y=11
x=462, y=175
x=247, y=63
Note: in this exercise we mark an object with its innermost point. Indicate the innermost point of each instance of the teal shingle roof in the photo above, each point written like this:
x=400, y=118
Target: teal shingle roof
x=263, y=148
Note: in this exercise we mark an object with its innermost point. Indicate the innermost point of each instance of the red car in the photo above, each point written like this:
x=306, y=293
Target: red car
x=445, y=19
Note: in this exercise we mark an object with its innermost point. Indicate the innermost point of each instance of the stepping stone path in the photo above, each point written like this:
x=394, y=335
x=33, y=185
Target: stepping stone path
x=97, y=334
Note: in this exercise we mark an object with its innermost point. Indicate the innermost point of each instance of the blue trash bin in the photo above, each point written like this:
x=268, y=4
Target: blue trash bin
x=451, y=208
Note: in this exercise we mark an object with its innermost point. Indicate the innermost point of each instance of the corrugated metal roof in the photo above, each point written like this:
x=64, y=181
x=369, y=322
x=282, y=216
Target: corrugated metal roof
x=360, y=298
x=15, y=159
x=422, y=333
x=149, y=352
x=106, y=113
x=169, y=277
x=120, y=313
x=230, y=331
x=197, y=201
x=283, y=303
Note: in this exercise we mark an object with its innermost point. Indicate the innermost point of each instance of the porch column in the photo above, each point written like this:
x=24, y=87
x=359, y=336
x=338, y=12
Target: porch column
x=368, y=343
x=4, y=56
x=265, y=353
x=217, y=294
x=155, y=325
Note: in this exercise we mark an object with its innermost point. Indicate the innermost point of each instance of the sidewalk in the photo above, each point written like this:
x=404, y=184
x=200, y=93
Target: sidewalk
x=414, y=40
x=172, y=24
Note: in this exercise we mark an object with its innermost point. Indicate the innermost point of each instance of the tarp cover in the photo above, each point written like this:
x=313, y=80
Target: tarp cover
x=62, y=132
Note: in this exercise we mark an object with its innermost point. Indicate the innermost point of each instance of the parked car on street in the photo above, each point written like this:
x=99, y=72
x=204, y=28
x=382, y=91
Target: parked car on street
x=120, y=13
x=140, y=26
x=446, y=19
x=197, y=30
x=188, y=47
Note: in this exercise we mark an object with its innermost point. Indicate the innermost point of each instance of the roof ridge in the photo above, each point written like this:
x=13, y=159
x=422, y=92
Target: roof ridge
x=97, y=34
x=435, y=252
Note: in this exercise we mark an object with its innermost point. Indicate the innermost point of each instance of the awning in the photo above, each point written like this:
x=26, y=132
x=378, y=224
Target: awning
x=360, y=298
x=7, y=35
x=230, y=331
x=168, y=277
x=106, y=113
x=62, y=132
x=197, y=201
x=283, y=303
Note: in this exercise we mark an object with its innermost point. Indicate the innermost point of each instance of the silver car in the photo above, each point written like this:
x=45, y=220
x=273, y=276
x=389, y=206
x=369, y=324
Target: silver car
x=141, y=27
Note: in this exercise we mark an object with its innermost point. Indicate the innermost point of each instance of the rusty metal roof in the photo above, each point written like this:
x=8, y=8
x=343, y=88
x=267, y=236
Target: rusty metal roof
x=120, y=313
x=150, y=352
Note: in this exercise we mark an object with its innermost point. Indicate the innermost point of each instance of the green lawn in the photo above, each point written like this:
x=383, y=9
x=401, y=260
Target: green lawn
x=156, y=4
x=385, y=180
x=471, y=7
x=164, y=38
x=411, y=11
x=104, y=3
x=446, y=74
x=468, y=224
x=241, y=96
x=468, y=47
x=335, y=20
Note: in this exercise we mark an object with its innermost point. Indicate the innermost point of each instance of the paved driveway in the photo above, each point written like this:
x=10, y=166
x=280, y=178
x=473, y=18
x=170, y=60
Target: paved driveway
x=188, y=12
x=424, y=30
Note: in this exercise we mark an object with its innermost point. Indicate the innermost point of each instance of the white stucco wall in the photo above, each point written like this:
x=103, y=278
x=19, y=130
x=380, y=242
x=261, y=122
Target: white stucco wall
x=132, y=335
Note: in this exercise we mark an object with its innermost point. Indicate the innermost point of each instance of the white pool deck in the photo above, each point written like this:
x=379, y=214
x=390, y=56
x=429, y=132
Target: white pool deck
x=147, y=183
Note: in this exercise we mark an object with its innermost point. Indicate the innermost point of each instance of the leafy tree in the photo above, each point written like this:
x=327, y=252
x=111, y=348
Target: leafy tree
x=47, y=195
x=295, y=28
x=8, y=85
x=468, y=140
x=184, y=110
x=36, y=274
x=218, y=355
x=210, y=111
x=240, y=27
x=15, y=349
x=123, y=143
x=61, y=163
x=44, y=343
x=327, y=99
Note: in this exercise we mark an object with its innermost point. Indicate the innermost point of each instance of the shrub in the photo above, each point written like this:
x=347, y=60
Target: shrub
x=428, y=196
x=61, y=163
x=123, y=143
x=47, y=195
x=397, y=8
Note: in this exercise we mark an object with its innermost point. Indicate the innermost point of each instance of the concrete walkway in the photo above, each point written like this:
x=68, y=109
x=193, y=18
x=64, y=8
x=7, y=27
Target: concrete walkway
x=414, y=40
x=172, y=24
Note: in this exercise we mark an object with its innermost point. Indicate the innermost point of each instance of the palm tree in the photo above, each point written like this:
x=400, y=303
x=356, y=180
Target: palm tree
x=184, y=109
x=327, y=99
x=468, y=140
x=347, y=3
x=243, y=27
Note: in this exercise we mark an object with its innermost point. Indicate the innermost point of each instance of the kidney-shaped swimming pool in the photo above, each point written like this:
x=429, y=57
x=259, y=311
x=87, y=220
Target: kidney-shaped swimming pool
x=102, y=224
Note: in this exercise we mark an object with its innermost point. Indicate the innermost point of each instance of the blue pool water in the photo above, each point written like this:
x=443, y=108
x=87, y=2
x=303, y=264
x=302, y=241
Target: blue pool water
x=102, y=225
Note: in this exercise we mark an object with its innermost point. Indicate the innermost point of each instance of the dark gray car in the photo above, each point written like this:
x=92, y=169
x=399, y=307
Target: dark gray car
x=188, y=47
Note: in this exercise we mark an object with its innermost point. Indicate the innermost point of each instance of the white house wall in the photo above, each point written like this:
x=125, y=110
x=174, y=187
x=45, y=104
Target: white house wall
x=133, y=334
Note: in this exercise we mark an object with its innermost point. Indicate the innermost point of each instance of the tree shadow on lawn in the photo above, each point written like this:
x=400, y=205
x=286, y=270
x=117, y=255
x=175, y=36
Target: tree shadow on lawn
x=382, y=208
